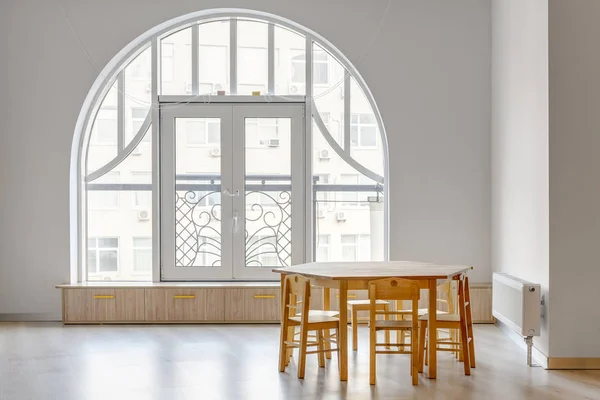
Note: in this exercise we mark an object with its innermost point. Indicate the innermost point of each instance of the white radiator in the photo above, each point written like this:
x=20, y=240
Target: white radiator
x=516, y=303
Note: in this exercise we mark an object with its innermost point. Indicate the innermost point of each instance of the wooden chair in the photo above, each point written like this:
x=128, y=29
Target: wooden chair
x=295, y=287
x=354, y=306
x=393, y=289
x=462, y=322
x=445, y=300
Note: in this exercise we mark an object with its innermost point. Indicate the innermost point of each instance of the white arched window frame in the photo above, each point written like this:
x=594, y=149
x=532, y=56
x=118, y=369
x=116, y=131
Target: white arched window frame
x=113, y=75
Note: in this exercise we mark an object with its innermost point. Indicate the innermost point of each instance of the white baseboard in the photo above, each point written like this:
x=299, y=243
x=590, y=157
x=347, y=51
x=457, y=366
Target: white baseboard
x=30, y=317
x=540, y=358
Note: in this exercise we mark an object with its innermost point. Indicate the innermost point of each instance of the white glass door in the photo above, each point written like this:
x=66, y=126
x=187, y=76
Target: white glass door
x=269, y=162
x=232, y=190
x=196, y=178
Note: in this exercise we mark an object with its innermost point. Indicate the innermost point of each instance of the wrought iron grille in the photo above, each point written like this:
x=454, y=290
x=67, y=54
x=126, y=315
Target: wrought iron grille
x=268, y=216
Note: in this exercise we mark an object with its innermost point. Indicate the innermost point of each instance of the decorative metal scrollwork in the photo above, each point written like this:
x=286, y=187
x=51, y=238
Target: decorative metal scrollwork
x=198, y=229
x=268, y=228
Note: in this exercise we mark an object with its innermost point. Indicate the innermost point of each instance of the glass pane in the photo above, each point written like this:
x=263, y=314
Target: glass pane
x=268, y=192
x=138, y=93
x=290, y=62
x=367, y=149
x=213, y=57
x=103, y=139
x=119, y=211
x=176, y=63
x=108, y=260
x=252, y=57
x=197, y=195
x=355, y=211
x=328, y=92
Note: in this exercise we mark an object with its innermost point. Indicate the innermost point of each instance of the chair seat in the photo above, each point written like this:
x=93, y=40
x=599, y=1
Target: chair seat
x=442, y=317
x=422, y=311
x=392, y=324
x=329, y=313
x=316, y=318
x=366, y=302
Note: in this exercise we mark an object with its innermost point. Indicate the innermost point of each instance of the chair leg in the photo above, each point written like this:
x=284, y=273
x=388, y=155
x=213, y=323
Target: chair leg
x=337, y=335
x=402, y=334
x=302, y=355
x=320, y=347
x=372, y=354
x=327, y=336
x=422, y=357
x=386, y=308
x=469, y=323
x=354, y=324
x=463, y=328
x=290, y=350
x=414, y=357
x=283, y=346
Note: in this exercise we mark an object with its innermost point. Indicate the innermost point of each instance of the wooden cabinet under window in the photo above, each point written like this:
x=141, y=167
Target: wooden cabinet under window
x=243, y=304
x=103, y=305
x=184, y=305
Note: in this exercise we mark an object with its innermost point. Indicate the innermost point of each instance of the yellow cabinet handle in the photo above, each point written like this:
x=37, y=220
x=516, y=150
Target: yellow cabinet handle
x=104, y=297
x=184, y=297
x=350, y=296
x=264, y=296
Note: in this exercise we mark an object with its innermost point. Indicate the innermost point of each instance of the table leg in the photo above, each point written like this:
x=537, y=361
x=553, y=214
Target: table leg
x=343, y=332
x=432, y=326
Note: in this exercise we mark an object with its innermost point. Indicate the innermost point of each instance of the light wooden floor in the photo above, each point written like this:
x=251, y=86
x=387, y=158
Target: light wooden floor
x=48, y=361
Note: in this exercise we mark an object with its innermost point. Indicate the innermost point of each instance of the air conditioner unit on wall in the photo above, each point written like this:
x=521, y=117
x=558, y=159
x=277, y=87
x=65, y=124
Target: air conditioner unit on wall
x=324, y=154
x=274, y=142
x=321, y=214
x=215, y=152
x=143, y=215
x=296, y=88
x=341, y=216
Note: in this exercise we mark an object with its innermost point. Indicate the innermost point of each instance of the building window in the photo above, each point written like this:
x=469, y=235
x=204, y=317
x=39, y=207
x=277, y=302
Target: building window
x=322, y=250
x=363, y=130
x=168, y=61
x=259, y=131
x=350, y=198
x=142, y=254
x=298, y=64
x=138, y=115
x=141, y=67
x=320, y=67
x=356, y=247
x=103, y=255
x=105, y=199
x=105, y=126
x=142, y=199
x=205, y=131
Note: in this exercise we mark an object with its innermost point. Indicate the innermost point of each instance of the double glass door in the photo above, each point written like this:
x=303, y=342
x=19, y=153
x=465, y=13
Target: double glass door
x=232, y=190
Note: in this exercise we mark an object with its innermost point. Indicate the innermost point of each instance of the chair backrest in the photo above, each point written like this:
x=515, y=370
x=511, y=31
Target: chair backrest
x=394, y=289
x=445, y=297
x=295, y=287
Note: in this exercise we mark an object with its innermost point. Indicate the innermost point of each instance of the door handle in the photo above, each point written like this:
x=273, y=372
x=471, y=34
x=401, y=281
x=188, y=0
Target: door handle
x=226, y=192
x=235, y=221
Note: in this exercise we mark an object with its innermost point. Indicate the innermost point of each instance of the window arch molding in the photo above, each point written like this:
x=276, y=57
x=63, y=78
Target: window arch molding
x=108, y=76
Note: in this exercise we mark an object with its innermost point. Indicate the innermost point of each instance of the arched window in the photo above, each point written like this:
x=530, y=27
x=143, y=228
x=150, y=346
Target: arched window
x=224, y=144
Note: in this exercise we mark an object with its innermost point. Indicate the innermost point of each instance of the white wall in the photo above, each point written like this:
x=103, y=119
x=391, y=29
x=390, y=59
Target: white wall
x=520, y=211
x=428, y=66
x=574, y=177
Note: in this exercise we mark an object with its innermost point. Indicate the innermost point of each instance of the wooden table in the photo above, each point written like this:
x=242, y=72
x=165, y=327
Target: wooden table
x=356, y=275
